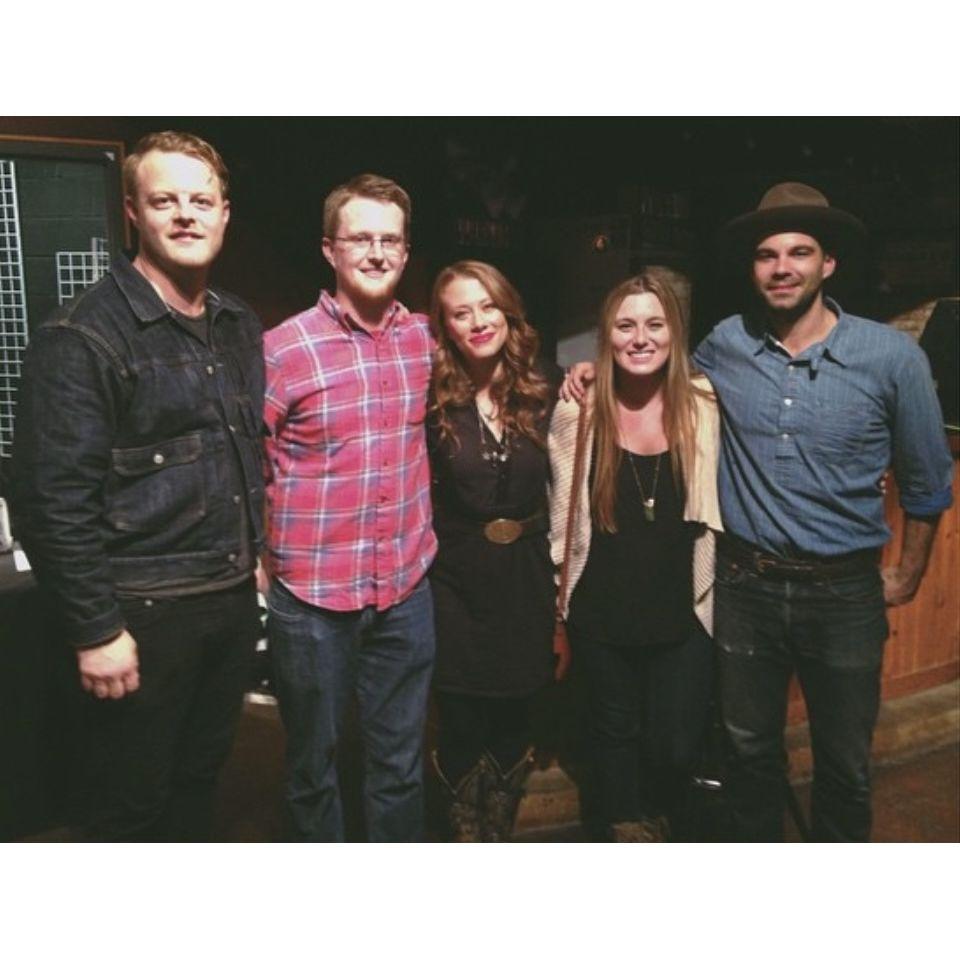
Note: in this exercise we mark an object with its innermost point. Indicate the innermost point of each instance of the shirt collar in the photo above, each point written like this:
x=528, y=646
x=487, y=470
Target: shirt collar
x=835, y=346
x=145, y=302
x=395, y=313
x=147, y=305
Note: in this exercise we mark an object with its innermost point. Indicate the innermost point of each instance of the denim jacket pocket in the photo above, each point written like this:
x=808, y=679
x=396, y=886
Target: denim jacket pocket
x=157, y=485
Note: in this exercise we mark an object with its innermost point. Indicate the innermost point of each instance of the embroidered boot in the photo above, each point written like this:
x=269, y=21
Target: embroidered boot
x=464, y=801
x=502, y=795
x=646, y=830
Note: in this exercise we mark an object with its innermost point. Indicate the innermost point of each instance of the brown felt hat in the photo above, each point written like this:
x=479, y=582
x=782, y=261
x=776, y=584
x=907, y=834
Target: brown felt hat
x=795, y=208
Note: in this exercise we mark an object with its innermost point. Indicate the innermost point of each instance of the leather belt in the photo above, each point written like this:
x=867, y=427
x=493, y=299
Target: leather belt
x=504, y=531
x=765, y=564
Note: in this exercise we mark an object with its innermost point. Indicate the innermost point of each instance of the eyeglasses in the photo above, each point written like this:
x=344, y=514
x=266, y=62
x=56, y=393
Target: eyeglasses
x=390, y=243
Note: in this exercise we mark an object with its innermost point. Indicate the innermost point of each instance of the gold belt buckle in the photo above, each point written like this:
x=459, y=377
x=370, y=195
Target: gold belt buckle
x=503, y=531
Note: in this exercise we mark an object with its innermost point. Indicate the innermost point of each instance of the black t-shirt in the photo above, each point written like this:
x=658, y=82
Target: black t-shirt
x=636, y=587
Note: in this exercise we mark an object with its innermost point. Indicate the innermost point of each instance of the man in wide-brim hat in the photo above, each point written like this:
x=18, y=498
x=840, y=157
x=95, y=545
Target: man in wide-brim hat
x=816, y=404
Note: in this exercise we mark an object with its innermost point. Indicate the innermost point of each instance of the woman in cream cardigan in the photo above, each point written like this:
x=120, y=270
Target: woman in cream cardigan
x=641, y=558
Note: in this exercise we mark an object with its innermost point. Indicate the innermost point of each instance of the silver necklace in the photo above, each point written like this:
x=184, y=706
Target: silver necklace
x=500, y=451
x=649, y=503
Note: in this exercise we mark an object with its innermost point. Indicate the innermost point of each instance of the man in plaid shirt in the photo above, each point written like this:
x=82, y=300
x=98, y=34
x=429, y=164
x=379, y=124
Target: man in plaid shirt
x=350, y=535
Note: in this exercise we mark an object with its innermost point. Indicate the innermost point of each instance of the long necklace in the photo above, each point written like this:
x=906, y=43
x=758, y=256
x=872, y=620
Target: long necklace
x=649, y=503
x=500, y=450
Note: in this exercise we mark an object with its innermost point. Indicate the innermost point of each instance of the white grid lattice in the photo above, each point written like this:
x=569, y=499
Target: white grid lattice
x=13, y=303
x=77, y=269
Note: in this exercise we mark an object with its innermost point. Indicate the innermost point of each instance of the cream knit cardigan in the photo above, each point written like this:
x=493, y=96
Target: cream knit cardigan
x=701, y=501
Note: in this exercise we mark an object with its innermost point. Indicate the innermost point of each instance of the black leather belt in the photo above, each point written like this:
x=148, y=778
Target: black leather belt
x=765, y=564
x=506, y=531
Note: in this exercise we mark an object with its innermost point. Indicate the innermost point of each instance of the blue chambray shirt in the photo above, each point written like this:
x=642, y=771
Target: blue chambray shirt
x=806, y=439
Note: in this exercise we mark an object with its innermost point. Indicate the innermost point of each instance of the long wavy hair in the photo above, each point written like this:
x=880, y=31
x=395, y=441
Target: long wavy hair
x=680, y=410
x=520, y=393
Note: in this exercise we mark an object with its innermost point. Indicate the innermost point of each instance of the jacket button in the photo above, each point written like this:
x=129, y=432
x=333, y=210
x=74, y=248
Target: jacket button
x=236, y=498
x=231, y=557
x=158, y=458
x=210, y=369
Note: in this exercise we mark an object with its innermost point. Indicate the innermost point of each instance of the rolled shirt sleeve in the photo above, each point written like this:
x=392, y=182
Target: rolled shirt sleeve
x=921, y=458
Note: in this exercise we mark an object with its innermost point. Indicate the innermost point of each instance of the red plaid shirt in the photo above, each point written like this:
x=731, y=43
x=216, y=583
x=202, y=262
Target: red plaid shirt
x=348, y=488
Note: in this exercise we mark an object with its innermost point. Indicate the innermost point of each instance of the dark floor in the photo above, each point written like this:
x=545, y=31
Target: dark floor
x=914, y=801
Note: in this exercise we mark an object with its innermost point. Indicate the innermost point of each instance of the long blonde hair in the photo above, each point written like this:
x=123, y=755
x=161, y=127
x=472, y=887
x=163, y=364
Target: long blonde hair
x=680, y=410
x=520, y=393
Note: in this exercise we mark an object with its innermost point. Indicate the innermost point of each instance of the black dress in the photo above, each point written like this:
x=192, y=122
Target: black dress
x=494, y=603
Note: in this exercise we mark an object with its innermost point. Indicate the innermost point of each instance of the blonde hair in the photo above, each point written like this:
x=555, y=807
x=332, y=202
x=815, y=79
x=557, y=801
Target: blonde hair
x=520, y=393
x=173, y=141
x=680, y=410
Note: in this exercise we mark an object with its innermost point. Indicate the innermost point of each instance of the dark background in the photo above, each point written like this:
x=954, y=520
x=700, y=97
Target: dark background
x=536, y=185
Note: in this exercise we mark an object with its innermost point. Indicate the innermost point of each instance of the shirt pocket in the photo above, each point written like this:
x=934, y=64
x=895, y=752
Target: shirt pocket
x=157, y=487
x=844, y=417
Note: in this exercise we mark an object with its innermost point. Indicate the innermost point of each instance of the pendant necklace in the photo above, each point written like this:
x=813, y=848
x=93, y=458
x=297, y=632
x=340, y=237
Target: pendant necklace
x=649, y=503
x=500, y=451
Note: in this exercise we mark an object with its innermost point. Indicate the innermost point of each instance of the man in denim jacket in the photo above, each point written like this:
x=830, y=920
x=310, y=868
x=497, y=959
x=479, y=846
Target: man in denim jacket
x=139, y=499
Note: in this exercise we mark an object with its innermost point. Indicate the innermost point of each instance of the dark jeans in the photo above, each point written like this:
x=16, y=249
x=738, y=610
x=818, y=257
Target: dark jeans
x=470, y=726
x=151, y=759
x=831, y=633
x=321, y=659
x=647, y=709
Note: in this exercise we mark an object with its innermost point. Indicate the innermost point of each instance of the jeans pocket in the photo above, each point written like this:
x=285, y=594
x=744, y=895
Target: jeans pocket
x=143, y=613
x=860, y=588
x=729, y=573
x=283, y=605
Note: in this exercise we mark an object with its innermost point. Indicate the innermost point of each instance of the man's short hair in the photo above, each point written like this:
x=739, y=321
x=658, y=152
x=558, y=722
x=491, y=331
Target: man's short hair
x=173, y=141
x=371, y=187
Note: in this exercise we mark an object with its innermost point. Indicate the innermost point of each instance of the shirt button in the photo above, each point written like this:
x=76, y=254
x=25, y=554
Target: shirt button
x=158, y=458
x=210, y=369
x=784, y=436
x=787, y=402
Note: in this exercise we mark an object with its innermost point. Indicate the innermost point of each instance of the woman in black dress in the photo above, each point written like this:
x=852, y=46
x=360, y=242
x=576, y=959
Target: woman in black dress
x=491, y=400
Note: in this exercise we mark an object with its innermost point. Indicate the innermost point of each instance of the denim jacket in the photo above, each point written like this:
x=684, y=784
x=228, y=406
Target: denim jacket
x=136, y=447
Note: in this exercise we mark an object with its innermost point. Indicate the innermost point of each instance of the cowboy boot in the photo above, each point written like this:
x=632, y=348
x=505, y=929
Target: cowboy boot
x=464, y=801
x=657, y=828
x=502, y=795
x=646, y=830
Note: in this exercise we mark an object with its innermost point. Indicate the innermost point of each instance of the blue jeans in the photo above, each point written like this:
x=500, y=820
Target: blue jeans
x=321, y=659
x=831, y=633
